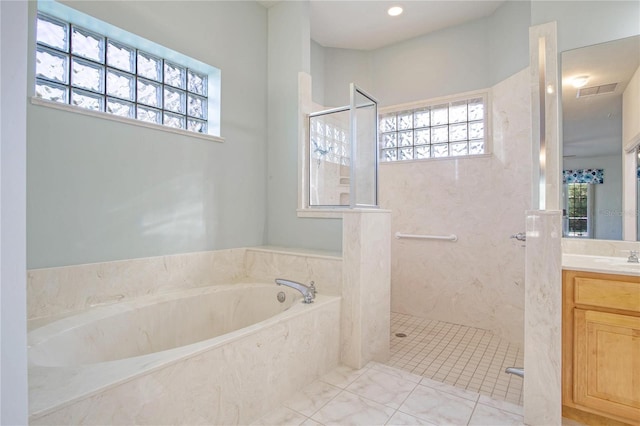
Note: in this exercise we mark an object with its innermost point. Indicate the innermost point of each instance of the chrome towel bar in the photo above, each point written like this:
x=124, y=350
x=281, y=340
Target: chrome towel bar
x=452, y=237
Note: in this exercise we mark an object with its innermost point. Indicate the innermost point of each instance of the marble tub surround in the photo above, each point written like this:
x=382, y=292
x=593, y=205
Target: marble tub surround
x=55, y=292
x=366, y=312
x=543, y=319
x=216, y=381
x=269, y=263
x=478, y=280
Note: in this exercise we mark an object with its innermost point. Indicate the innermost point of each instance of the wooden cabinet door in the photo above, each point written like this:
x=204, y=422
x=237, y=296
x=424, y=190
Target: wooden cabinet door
x=607, y=363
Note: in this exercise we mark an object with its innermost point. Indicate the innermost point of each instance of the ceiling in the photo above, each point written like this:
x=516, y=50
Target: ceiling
x=592, y=125
x=365, y=25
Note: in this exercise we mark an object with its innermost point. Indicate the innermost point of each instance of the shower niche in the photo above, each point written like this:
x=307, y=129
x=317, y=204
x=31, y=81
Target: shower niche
x=342, y=161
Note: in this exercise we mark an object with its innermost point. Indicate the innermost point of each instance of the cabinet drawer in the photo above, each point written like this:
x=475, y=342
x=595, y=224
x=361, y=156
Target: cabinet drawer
x=607, y=293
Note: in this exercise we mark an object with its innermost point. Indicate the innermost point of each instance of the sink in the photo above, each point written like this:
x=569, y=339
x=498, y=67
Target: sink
x=615, y=261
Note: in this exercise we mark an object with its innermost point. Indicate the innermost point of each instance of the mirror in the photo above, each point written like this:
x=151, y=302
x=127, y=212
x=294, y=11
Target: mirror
x=594, y=79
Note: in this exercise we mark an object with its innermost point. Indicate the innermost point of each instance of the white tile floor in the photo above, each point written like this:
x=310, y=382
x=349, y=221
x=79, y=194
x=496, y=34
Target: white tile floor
x=465, y=357
x=382, y=395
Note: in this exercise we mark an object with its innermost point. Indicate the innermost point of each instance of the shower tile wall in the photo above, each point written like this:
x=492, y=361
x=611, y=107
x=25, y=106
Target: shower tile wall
x=477, y=281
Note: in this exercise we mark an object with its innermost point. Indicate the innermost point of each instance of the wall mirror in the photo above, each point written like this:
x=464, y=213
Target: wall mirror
x=594, y=79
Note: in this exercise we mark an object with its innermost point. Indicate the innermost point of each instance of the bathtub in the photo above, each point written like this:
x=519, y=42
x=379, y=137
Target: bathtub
x=215, y=355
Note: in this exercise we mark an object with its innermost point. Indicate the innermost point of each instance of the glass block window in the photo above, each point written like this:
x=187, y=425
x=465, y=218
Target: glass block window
x=329, y=138
x=444, y=130
x=79, y=67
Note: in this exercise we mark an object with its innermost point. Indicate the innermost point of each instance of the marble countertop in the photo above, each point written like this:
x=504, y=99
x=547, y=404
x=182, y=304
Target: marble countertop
x=602, y=264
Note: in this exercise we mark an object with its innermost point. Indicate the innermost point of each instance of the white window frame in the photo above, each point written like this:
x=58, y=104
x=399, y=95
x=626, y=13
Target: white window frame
x=74, y=17
x=485, y=94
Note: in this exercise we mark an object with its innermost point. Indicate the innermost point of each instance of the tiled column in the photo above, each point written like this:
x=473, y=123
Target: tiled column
x=366, y=278
x=543, y=319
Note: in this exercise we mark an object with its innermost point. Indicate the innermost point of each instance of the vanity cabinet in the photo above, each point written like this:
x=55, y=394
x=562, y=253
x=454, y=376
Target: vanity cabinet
x=601, y=348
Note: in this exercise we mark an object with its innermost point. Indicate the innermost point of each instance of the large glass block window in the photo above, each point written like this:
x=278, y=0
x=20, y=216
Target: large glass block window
x=444, y=130
x=79, y=67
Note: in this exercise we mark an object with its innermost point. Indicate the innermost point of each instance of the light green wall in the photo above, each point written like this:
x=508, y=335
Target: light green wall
x=100, y=190
x=288, y=54
x=583, y=23
x=471, y=56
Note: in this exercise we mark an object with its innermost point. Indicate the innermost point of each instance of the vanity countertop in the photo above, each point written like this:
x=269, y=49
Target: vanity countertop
x=602, y=264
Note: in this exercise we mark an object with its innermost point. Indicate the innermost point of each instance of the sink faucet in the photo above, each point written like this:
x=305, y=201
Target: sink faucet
x=633, y=256
x=308, y=292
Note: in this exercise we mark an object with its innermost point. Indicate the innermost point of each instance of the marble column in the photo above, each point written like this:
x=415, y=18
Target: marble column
x=366, y=288
x=543, y=319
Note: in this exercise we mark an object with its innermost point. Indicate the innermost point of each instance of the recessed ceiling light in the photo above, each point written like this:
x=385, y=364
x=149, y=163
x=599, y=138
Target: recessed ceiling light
x=580, y=81
x=394, y=11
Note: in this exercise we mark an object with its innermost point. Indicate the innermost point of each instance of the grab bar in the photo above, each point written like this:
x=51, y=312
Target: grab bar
x=452, y=237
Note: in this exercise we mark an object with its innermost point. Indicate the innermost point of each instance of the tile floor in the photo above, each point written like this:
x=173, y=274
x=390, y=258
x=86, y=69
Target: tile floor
x=465, y=357
x=382, y=395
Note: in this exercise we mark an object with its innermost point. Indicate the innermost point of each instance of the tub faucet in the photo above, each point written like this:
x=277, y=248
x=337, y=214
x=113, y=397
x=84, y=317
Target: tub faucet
x=308, y=292
x=633, y=256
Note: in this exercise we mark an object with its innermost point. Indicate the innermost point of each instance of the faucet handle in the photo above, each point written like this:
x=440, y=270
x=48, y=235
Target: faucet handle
x=312, y=288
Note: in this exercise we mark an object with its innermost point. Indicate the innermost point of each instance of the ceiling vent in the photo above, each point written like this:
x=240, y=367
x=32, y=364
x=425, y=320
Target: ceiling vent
x=596, y=90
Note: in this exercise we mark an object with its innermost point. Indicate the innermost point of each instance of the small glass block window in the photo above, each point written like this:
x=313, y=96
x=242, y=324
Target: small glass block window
x=149, y=93
x=52, y=91
x=197, y=83
x=87, y=75
x=149, y=66
x=120, y=56
x=173, y=120
x=82, y=68
x=121, y=85
x=87, y=100
x=53, y=33
x=174, y=75
x=87, y=44
x=449, y=129
x=121, y=108
x=174, y=100
x=197, y=106
x=52, y=65
x=149, y=115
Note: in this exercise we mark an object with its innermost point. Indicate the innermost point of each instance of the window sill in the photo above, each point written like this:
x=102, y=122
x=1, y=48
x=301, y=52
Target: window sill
x=328, y=213
x=337, y=212
x=459, y=157
x=132, y=121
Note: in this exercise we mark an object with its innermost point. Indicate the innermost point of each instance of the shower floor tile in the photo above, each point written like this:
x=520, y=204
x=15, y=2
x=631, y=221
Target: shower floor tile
x=465, y=357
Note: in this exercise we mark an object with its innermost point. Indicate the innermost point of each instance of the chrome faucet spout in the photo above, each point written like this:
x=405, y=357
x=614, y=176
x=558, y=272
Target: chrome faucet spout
x=308, y=292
